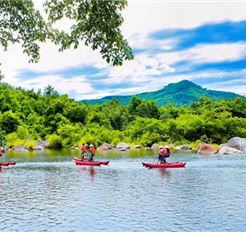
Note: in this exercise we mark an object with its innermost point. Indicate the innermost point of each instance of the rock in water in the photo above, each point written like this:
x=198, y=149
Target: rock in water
x=122, y=146
x=228, y=150
x=184, y=148
x=238, y=143
x=206, y=149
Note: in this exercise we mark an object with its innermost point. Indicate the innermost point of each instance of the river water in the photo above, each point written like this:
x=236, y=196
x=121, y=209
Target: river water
x=45, y=191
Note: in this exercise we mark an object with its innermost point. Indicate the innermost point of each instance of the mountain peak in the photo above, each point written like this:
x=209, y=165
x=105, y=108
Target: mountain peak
x=181, y=93
x=183, y=84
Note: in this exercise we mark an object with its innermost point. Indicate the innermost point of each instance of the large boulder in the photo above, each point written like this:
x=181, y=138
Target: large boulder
x=155, y=146
x=20, y=148
x=223, y=145
x=238, y=143
x=122, y=146
x=229, y=150
x=105, y=147
x=43, y=143
x=184, y=147
x=206, y=149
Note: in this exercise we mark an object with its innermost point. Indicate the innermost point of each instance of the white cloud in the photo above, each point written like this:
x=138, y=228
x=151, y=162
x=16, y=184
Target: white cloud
x=239, y=88
x=205, y=53
x=150, y=15
x=50, y=58
x=139, y=70
x=76, y=84
x=217, y=52
x=142, y=41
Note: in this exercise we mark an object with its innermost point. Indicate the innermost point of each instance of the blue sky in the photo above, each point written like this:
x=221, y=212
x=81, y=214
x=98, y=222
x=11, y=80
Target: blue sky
x=203, y=42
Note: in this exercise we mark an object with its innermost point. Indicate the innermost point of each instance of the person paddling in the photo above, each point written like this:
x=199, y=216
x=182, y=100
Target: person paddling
x=164, y=153
x=92, y=152
x=84, y=150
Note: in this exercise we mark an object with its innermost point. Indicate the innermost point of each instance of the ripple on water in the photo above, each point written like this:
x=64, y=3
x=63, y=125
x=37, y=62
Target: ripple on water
x=207, y=195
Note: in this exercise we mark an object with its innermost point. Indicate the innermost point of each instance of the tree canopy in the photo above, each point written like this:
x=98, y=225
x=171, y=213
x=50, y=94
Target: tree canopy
x=25, y=115
x=96, y=23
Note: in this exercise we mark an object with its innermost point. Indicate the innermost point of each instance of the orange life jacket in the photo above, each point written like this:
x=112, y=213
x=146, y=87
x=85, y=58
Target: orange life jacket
x=92, y=150
x=84, y=148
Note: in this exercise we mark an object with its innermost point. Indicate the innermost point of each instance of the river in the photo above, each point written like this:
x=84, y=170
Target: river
x=45, y=191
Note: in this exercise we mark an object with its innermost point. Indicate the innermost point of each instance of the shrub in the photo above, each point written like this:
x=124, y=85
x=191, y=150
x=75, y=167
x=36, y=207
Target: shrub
x=30, y=144
x=54, y=141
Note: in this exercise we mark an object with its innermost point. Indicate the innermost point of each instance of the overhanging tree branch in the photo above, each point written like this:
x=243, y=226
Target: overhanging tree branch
x=96, y=23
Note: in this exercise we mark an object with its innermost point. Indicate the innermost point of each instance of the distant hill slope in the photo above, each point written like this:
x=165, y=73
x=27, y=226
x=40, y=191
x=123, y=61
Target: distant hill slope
x=181, y=93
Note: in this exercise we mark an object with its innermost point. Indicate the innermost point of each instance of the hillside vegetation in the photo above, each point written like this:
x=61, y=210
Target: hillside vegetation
x=181, y=93
x=27, y=117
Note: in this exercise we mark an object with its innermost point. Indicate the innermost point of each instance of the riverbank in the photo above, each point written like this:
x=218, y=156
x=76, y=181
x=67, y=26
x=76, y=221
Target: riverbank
x=235, y=145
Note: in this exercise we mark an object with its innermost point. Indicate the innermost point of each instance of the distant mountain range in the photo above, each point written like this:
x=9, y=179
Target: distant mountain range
x=181, y=93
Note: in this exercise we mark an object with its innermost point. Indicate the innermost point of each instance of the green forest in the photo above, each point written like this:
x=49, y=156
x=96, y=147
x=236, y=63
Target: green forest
x=27, y=116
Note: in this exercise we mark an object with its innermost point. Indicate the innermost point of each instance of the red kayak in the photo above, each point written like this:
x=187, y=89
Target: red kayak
x=78, y=161
x=5, y=164
x=165, y=165
x=87, y=163
x=106, y=162
x=12, y=163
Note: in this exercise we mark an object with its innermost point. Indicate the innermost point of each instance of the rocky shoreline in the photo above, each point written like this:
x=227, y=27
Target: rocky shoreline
x=235, y=145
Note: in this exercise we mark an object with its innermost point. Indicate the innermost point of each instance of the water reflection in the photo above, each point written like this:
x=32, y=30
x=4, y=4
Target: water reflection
x=67, y=154
x=88, y=170
x=165, y=173
x=5, y=168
